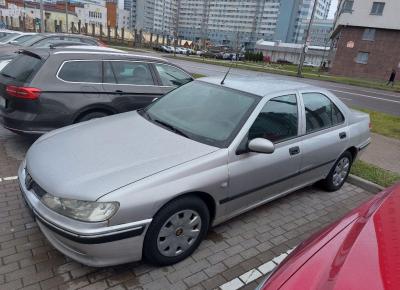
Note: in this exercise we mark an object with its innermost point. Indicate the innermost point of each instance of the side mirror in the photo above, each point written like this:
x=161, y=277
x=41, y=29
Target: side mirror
x=261, y=145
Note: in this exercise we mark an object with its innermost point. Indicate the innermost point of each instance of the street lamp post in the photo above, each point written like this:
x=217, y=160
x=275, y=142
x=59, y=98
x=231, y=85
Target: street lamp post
x=304, y=48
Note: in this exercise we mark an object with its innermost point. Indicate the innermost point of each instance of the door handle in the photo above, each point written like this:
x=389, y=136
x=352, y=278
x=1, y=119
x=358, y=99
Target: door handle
x=342, y=135
x=294, y=150
x=118, y=91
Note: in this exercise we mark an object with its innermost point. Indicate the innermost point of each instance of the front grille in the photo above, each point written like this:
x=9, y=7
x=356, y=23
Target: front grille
x=33, y=186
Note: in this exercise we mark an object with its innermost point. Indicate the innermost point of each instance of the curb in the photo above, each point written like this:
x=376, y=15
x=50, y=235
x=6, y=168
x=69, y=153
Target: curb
x=364, y=184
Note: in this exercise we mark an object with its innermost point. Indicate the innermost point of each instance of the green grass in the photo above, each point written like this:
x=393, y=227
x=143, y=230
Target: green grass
x=196, y=76
x=374, y=174
x=384, y=124
x=291, y=70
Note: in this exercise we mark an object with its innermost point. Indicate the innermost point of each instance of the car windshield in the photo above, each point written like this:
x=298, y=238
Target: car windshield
x=31, y=40
x=204, y=112
x=22, y=39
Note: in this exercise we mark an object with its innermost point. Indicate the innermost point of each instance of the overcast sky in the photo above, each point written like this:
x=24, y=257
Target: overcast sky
x=334, y=4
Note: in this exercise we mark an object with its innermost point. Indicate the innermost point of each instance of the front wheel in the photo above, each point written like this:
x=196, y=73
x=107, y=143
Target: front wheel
x=176, y=231
x=339, y=172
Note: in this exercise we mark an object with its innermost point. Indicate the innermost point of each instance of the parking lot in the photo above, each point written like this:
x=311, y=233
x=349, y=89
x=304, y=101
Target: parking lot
x=230, y=250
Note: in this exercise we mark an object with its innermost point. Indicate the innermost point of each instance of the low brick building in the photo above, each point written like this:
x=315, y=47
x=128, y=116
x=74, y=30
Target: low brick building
x=366, y=39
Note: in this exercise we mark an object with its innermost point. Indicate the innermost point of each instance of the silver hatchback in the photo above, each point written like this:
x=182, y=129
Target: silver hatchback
x=151, y=182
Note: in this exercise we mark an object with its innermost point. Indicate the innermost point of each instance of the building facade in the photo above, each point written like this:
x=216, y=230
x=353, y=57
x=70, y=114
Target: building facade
x=366, y=39
x=320, y=32
x=294, y=17
x=235, y=23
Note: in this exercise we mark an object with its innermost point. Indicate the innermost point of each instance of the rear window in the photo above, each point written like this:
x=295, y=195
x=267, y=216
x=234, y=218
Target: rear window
x=81, y=71
x=22, y=67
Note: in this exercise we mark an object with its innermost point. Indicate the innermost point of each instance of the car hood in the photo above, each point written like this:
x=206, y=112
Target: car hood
x=91, y=159
x=364, y=254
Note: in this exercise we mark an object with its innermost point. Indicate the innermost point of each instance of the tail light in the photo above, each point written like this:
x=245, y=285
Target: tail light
x=102, y=44
x=23, y=92
x=370, y=125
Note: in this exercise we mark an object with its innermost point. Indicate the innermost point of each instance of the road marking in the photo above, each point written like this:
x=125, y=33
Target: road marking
x=254, y=274
x=345, y=99
x=362, y=90
x=9, y=178
x=366, y=96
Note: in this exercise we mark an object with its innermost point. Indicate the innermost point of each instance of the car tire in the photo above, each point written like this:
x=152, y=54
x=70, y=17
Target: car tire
x=175, y=231
x=92, y=115
x=339, y=172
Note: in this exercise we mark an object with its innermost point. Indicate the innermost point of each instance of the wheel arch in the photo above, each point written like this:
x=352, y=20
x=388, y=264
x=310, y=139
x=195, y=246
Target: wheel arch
x=353, y=151
x=204, y=196
x=94, y=108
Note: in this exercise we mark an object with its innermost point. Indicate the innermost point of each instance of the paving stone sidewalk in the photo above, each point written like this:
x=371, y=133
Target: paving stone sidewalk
x=28, y=261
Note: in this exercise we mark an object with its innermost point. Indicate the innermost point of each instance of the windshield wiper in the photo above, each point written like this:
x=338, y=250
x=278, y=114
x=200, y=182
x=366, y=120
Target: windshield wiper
x=174, y=129
x=8, y=76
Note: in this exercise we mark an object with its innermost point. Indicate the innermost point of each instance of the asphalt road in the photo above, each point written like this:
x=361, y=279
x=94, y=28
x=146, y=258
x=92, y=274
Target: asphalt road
x=353, y=96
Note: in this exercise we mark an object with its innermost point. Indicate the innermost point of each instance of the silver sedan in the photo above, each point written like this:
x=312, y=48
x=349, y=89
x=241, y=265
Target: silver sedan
x=150, y=183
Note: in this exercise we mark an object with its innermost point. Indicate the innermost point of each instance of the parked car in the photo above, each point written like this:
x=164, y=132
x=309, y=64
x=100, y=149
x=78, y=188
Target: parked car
x=45, y=89
x=45, y=40
x=151, y=182
x=12, y=37
x=283, y=61
x=360, y=251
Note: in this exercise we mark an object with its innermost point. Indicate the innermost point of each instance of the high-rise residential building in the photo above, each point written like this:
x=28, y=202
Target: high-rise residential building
x=366, y=38
x=294, y=16
x=157, y=16
x=235, y=23
x=320, y=32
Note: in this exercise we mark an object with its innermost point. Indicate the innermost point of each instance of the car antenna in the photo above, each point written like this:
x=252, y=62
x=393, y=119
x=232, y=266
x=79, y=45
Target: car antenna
x=223, y=80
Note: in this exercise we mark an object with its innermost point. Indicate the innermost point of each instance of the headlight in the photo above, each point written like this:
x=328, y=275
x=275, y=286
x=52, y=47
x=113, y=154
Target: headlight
x=87, y=211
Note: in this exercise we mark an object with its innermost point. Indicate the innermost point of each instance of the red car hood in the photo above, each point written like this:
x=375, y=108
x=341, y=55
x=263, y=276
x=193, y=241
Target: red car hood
x=361, y=251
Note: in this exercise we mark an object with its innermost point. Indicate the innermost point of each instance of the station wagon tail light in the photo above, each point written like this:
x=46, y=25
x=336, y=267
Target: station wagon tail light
x=370, y=125
x=26, y=93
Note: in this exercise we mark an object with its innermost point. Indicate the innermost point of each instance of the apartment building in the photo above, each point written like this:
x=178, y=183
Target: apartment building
x=228, y=22
x=294, y=16
x=366, y=38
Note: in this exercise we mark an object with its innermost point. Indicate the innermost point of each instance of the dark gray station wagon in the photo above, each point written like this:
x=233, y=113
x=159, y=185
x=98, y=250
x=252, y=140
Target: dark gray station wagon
x=44, y=89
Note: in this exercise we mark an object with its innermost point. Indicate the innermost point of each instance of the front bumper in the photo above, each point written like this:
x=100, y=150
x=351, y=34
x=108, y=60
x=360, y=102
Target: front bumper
x=92, y=244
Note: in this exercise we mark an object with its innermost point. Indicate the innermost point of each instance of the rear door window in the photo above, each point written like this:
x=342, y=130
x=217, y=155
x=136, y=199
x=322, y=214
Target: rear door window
x=321, y=112
x=22, y=67
x=81, y=71
x=128, y=73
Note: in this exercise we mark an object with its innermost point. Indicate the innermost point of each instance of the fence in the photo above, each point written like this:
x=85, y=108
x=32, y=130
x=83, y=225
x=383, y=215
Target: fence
x=112, y=35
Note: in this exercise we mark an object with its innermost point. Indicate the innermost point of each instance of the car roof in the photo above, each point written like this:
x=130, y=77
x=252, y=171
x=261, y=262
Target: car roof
x=90, y=50
x=259, y=85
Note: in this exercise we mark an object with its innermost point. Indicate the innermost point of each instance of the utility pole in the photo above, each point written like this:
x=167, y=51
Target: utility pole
x=66, y=15
x=304, y=48
x=41, y=17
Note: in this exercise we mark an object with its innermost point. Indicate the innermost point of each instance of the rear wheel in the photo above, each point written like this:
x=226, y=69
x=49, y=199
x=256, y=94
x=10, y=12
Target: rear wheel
x=92, y=115
x=176, y=231
x=339, y=172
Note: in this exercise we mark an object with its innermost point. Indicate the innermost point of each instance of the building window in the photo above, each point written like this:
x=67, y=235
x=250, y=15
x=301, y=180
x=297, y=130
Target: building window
x=377, y=8
x=369, y=34
x=362, y=57
x=347, y=6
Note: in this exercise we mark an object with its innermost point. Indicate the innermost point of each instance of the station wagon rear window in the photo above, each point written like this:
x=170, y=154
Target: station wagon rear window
x=81, y=71
x=22, y=67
